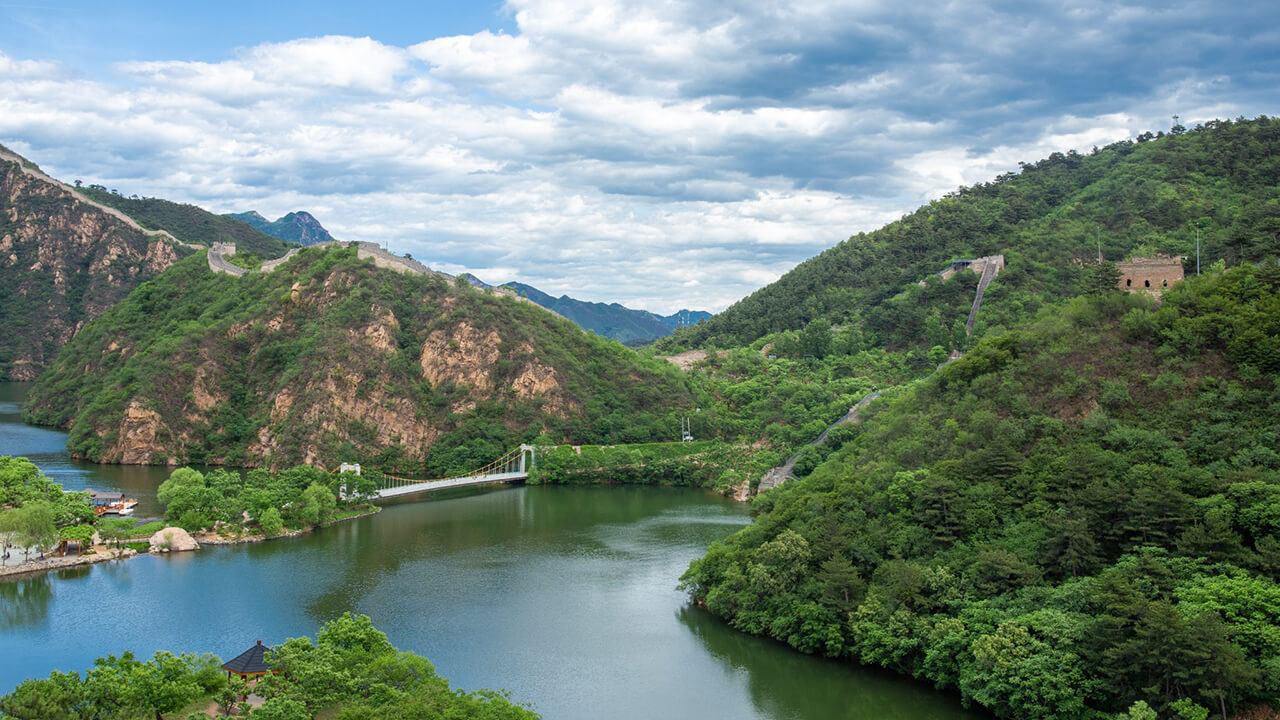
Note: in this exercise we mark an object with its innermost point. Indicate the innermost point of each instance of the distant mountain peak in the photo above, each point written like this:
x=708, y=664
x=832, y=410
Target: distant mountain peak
x=612, y=320
x=298, y=226
x=475, y=281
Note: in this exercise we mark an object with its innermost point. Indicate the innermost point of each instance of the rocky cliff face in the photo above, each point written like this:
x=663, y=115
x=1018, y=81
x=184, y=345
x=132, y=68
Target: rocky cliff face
x=330, y=359
x=63, y=261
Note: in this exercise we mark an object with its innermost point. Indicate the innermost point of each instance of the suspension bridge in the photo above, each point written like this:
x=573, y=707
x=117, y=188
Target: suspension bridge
x=512, y=466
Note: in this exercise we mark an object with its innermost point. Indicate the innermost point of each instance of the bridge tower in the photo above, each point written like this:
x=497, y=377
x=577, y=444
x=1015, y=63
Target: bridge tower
x=528, y=457
x=686, y=430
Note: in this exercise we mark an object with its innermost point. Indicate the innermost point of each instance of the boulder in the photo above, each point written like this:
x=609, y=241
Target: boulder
x=173, y=539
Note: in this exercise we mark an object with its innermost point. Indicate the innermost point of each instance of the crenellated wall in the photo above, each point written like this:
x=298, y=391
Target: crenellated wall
x=218, y=253
x=978, y=265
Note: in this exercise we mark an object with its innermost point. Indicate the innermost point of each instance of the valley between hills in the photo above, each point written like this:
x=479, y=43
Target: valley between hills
x=1044, y=491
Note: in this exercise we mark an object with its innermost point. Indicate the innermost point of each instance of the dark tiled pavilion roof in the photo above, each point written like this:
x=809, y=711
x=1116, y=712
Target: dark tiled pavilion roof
x=106, y=495
x=248, y=662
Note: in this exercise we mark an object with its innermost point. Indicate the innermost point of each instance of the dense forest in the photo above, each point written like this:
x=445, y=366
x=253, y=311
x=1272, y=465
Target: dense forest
x=36, y=513
x=707, y=464
x=351, y=671
x=1141, y=196
x=190, y=223
x=1076, y=515
x=330, y=359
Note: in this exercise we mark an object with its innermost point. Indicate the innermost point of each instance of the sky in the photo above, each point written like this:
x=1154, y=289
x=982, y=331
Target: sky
x=659, y=153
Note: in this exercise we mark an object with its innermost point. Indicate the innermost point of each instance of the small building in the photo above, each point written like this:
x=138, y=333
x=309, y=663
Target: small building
x=100, y=498
x=111, y=503
x=250, y=663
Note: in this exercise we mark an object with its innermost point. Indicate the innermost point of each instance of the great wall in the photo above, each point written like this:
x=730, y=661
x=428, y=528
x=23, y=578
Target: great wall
x=33, y=170
x=783, y=473
x=219, y=252
x=987, y=267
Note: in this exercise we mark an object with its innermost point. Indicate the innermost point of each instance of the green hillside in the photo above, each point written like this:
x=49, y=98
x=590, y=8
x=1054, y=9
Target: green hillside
x=330, y=359
x=1141, y=196
x=1074, y=516
x=190, y=223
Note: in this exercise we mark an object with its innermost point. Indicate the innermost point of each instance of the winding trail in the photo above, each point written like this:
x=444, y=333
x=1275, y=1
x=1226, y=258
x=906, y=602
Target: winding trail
x=783, y=473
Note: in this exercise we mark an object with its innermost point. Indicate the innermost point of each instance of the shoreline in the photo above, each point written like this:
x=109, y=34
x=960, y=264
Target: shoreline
x=218, y=540
x=52, y=563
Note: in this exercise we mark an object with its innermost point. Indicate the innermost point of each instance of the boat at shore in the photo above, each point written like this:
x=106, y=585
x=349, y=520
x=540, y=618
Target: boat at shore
x=111, y=503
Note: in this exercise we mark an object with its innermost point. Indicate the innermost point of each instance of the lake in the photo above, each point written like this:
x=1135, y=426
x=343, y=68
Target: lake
x=564, y=596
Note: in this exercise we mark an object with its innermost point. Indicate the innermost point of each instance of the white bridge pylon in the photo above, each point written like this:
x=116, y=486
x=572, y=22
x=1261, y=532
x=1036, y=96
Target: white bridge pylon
x=512, y=466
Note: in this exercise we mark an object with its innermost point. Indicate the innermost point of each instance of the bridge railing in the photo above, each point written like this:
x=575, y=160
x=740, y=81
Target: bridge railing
x=515, y=461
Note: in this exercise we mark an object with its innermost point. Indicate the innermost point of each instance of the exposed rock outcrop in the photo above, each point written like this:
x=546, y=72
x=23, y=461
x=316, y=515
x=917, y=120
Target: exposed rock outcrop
x=173, y=539
x=467, y=356
x=64, y=260
x=137, y=434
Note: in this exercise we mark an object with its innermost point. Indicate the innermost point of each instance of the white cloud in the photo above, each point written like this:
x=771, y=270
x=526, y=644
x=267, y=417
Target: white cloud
x=325, y=64
x=11, y=68
x=656, y=154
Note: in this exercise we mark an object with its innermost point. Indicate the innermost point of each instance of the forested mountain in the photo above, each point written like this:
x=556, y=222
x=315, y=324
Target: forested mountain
x=62, y=262
x=299, y=227
x=190, y=223
x=330, y=358
x=612, y=320
x=1133, y=197
x=1074, y=516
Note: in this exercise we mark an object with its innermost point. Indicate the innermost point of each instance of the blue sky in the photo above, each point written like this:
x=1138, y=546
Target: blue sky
x=658, y=154
x=90, y=36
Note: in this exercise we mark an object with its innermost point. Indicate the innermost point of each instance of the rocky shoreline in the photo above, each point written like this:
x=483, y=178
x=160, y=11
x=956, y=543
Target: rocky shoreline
x=157, y=547
x=60, y=563
x=214, y=539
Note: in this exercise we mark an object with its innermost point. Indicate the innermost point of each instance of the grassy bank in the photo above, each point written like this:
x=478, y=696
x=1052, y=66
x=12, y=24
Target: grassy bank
x=706, y=464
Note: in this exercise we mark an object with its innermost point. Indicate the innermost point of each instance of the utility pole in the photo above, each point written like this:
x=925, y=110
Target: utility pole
x=1197, y=252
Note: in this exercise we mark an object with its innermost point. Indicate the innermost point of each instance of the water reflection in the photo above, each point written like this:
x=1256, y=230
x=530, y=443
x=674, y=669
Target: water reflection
x=47, y=448
x=25, y=601
x=816, y=687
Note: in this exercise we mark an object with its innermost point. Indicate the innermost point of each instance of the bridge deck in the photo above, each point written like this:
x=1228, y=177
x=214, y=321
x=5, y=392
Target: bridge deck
x=452, y=482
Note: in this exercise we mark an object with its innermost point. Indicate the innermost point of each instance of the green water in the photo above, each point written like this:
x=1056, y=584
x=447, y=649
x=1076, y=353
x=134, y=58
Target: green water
x=564, y=596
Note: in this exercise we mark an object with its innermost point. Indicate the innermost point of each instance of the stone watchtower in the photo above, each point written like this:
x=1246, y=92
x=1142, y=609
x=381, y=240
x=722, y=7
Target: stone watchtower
x=1150, y=274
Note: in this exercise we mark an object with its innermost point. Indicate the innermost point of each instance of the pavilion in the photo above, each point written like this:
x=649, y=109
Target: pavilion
x=249, y=663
